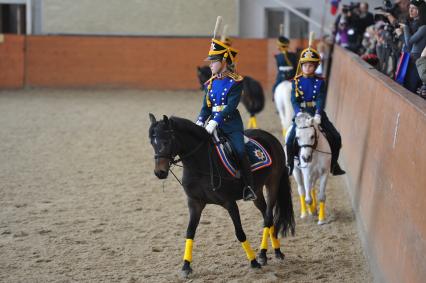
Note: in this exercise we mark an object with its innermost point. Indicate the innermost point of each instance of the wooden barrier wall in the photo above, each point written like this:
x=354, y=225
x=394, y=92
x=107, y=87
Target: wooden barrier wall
x=123, y=62
x=383, y=127
x=12, y=61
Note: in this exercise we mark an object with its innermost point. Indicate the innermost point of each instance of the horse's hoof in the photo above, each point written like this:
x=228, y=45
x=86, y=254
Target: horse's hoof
x=279, y=255
x=184, y=273
x=186, y=269
x=262, y=258
x=321, y=222
x=303, y=215
x=255, y=264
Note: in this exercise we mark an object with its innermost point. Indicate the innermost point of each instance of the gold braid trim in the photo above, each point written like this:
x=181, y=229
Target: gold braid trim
x=286, y=58
x=296, y=85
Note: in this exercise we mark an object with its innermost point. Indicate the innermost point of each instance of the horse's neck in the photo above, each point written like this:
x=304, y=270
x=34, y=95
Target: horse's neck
x=323, y=144
x=190, y=148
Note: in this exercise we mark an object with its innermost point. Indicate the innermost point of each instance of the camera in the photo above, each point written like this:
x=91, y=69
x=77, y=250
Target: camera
x=388, y=7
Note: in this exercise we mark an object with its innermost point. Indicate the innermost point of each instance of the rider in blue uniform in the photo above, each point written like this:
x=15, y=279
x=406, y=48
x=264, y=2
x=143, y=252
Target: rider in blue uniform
x=286, y=62
x=308, y=95
x=223, y=93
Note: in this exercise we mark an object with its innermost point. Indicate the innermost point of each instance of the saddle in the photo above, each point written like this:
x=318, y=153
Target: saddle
x=258, y=156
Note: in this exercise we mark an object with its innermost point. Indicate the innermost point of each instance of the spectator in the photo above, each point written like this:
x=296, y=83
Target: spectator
x=421, y=68
x=366, y=18
x=414, y=43
x=399, y=13
x=342, y=37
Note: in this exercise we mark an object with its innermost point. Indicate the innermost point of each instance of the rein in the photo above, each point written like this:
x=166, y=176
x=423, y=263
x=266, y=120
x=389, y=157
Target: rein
x=315, y=144
x=212, y=167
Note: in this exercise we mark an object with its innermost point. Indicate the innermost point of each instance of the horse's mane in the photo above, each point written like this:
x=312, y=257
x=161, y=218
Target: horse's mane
x=185, y=125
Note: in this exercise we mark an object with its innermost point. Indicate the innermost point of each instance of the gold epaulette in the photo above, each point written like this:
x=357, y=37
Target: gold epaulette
x=236, y=77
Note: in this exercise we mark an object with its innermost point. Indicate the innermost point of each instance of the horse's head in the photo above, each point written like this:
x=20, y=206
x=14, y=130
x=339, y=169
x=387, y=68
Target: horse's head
x=306, y=136
x=163, y=141
x=204, y=73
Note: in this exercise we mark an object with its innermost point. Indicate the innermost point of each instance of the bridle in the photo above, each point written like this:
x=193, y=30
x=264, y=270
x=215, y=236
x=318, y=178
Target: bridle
x=314, y=145
x=173, y=161
x=172, y=155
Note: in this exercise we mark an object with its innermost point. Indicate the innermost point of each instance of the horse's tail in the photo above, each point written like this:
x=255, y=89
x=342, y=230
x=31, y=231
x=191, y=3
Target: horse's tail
x=253, y=98
x=283, y=214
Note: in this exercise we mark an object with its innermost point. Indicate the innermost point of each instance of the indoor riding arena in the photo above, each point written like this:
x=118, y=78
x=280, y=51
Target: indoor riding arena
x=79, y=200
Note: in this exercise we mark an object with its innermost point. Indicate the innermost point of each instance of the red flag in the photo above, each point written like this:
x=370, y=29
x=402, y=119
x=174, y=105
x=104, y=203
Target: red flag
x=334, y=6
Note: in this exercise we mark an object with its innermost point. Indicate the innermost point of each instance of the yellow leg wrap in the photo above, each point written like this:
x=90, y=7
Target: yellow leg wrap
x=188, y=250
x=284, y=132
x=248, y=250
x=312, y=208
x=275, y=242
x=254, y=122
x=264, y=244
x=314, y=199
x=321, y=216
x=302, y=205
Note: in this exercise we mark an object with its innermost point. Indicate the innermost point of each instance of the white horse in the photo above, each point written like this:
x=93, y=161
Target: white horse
x=282, y=98
x=313, y=165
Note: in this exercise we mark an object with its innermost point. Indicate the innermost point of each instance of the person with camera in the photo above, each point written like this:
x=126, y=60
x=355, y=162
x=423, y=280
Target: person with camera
x=414, y=42
x=395, y=12
x=348, y=27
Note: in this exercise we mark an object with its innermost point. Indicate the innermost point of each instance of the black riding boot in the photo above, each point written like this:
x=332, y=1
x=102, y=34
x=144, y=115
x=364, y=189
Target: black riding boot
x=335, y=169
x=290, y=150
x=290, y=158
x=246, y=175
x=335, y=142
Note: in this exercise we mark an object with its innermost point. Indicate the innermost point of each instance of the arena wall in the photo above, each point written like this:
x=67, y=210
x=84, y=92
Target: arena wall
x=142, y=62
x=383, y=127
x=12, y=61
x=156, y=63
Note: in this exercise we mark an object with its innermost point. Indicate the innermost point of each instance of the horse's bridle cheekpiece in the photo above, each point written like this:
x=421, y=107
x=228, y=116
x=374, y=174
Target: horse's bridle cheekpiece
x=314, y=145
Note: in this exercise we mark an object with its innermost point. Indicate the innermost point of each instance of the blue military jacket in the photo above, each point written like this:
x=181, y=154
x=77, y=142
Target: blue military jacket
x=286, y=68
x=308, y=94
x=221, y=101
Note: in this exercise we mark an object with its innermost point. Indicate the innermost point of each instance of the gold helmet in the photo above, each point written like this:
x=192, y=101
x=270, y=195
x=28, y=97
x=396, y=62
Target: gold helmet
x=308, y=55
x=282, y=41
x=220, y=50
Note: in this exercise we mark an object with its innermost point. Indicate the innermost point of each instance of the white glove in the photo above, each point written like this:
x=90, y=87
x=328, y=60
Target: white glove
x=211, y=125
x=317, y=119
x=199, y=123
x=298, y=114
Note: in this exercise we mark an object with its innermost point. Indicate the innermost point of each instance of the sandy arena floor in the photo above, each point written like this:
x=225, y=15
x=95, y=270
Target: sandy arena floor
x=79, y=201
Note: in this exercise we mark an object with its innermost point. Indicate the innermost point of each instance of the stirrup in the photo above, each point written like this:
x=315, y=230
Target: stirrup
x=249, y=194
x=290, y=169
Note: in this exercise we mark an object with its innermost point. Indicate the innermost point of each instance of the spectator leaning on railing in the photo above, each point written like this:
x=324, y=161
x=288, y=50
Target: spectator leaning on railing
x=414, y=44
x=421, y=67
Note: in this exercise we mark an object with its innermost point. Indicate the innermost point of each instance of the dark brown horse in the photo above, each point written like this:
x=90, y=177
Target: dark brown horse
x=205, y=181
